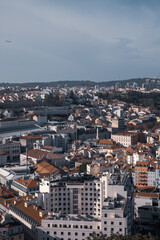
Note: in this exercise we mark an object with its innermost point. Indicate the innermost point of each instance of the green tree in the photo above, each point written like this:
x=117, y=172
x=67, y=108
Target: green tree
x=118, y=236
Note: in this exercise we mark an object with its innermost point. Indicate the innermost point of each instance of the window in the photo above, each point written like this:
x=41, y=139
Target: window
x=105, y=215
x=69, y=233
x=83, y=234
x=55, y=233
x=105, y=222
x=48, y=225
x=76, y=233
x=62, y=233
x=112, y=223
x=120, y=229
x=120, y=223
x=112, y=229
x=105, y=229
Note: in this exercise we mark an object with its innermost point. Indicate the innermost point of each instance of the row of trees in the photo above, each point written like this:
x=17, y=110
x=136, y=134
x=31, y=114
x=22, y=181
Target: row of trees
x=113, y=236
x=146, y=99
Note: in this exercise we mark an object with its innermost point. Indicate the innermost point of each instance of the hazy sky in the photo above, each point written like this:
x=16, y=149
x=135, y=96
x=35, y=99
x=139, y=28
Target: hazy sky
x=97, y=40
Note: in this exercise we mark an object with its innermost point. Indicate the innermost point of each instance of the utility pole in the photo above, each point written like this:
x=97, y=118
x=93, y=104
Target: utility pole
x=26, y=160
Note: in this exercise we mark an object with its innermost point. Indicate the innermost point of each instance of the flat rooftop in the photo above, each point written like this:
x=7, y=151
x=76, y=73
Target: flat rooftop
x=70, y=217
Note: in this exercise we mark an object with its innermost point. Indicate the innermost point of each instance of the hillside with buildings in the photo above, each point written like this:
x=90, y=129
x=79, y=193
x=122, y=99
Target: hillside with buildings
x=88, y=163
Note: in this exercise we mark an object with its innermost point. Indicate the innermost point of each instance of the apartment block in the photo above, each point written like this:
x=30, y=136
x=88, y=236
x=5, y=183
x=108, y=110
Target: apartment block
x=127, y=139
x=12, y=149
x=29, y=141
x=3, y=159
x=145, y=175
x=60, y=141
x=24, y=186
x=80, y=205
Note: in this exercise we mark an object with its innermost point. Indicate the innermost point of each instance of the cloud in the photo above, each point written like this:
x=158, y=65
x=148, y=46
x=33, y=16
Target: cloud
x=54, y=40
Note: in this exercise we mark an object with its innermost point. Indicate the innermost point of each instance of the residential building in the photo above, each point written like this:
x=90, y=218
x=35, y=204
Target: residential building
x=3, y=159
x=10, y=229
x=118, y=123
x=127, y=139
x=29, y=141
x=12, y=149
x=107, y=202
x=37, y=155
x=60, y=141
x=24, y=186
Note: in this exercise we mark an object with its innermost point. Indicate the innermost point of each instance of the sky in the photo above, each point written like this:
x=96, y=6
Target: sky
x=99, y=40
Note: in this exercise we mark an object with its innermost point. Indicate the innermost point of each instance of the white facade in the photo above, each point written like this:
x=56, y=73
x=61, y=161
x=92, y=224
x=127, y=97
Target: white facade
x=72, y=227
x=81, y=206
x=122, y=139
x=138, y=157
x=151, y=178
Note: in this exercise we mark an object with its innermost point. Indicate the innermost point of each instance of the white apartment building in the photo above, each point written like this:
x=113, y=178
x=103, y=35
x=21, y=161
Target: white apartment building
x=81, y=205
x=126, y=139
x=68, y=227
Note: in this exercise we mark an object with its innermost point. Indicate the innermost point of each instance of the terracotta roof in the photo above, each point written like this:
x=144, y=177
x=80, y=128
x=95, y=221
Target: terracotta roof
x=73, y=170
x=30, y=211
x=11, y=201
x=2, y=153
x=31, y=137
x=40, y=154
x=5, y=192
x=150, y=188
x=65, y=168
x=105, y=141
x=45, y=169
x=145, y=194
x=114, y=147
x=49, y=147
x=28, y=183
x=125, y=134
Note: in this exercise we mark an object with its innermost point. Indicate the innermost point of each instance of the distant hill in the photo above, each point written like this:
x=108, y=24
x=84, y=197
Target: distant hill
x=72, y=83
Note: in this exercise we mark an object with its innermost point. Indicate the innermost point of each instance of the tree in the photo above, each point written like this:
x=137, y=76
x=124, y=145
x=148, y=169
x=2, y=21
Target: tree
x=118, y=236
x=83, y=168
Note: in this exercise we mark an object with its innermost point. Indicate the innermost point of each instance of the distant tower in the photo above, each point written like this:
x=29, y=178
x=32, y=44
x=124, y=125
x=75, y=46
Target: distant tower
x=117, y=86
